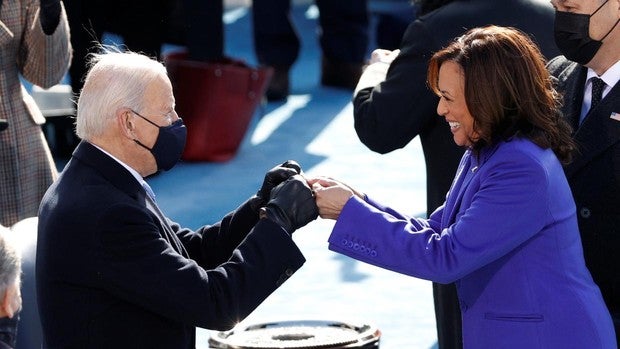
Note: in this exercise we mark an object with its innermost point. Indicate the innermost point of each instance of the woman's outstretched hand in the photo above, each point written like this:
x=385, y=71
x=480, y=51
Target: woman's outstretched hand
x=331, y=196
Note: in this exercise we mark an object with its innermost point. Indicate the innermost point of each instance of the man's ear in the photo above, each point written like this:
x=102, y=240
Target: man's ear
x=125, y=122
x=12, y=300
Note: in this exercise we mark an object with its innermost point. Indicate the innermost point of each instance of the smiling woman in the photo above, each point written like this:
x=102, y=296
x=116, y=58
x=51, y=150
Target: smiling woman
x=494, y=84
x=452, y=104
x=507, y=233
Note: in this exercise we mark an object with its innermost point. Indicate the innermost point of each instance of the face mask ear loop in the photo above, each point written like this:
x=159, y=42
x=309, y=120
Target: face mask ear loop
x=142, y=145
x=610, y=30
x=600, y=7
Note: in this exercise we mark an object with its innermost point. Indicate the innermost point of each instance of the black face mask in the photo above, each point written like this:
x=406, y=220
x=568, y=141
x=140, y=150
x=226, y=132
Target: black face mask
x=169, y=145
x=572, y=35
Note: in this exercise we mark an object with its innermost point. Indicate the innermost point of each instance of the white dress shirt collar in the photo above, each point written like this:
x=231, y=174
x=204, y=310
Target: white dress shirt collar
x=133, y=172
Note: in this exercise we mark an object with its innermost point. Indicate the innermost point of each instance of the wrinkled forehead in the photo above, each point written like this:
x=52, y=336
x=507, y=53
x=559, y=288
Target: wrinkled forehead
x=159, y=91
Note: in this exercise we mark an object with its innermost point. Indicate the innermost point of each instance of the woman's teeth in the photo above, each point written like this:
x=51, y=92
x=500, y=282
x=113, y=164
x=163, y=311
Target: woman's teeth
x=454, y=125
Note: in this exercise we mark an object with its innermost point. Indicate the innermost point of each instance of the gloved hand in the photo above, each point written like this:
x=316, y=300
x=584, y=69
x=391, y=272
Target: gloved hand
x=276, y=176
x=292, y=204
x=49, y=15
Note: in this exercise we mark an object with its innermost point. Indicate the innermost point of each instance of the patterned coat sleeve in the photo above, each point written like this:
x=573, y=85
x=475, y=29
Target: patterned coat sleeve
x=44, y=59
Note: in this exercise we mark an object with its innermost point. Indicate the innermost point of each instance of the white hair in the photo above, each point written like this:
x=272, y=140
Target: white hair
x=115, y=80
x=10, y=263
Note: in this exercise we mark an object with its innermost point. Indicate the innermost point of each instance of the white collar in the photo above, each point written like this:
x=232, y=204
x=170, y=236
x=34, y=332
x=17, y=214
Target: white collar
x=611, y=76
x=133, y=172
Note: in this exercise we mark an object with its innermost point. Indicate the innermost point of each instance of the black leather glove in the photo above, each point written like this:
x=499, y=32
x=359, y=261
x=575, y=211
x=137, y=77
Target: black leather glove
x=276, y=176
x=49, y=15
x=292, y=204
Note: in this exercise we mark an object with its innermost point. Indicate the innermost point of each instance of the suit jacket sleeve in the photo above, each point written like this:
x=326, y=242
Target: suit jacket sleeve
x=138, y=265
x=212, y=245
x=389, y=114
x=44, y=59
x=505, y=211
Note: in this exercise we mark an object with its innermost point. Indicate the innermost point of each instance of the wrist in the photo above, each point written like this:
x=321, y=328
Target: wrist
x=275, y=214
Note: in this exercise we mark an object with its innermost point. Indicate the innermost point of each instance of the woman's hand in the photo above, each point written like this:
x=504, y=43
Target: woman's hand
x=331, y=196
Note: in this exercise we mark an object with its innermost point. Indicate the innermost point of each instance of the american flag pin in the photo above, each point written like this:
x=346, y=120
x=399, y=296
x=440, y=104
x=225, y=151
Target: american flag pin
x=614, y=116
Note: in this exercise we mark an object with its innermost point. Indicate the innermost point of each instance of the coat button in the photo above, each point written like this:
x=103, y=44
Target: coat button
x=585, y=212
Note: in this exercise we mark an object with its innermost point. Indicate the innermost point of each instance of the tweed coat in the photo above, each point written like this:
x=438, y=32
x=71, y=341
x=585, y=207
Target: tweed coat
x=26, y=164
x=507, y=235
x=594, y=177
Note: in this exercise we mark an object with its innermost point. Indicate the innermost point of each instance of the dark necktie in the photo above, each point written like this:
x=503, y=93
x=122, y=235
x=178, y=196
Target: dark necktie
x=598, y=85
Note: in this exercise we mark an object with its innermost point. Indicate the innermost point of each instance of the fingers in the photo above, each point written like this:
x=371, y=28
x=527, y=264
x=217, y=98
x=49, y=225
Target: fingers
x=329, y=194
x=283, y=173
x=378, y=55
x=383, y=56
x=293, y=165
x=322, y=181
x=331, y=199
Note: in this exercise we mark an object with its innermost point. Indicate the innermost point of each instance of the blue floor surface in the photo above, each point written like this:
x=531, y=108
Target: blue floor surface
x=314, y=127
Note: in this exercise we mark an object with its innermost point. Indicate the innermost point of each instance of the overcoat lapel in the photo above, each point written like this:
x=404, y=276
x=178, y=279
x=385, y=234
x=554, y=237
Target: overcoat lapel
x=168, y=232
x=118, y=176
x=572, y=81
x=598, y=131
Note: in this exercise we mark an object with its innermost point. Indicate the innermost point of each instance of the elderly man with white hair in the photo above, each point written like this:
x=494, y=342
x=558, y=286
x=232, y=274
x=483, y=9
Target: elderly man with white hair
x=112, y=270
x=10, y=294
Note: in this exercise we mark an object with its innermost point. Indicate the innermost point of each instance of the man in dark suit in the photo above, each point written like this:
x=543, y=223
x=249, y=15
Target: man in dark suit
x=392, y=103
x=343, y=38
x=112, y=270
x=588, y=34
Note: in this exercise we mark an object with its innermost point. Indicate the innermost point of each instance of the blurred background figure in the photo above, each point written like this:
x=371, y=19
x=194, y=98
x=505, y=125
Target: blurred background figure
x=22, y=236
x=588, y=34
x=343, y=36
x=10, y=295
x=198, y=25
x=34, y=42
x=392, y=103
x=143, y=26
x=392, y=19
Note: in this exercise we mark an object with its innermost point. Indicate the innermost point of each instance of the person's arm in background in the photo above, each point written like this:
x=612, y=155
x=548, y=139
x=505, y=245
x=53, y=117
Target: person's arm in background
x=46, y=52
x=392, y=106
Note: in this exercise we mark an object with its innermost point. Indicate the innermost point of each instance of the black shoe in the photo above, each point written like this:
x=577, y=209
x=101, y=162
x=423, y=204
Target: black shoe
x=277, y=91
x=340, y=74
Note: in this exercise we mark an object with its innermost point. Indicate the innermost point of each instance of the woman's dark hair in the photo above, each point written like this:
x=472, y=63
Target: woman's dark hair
x=508, y=90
